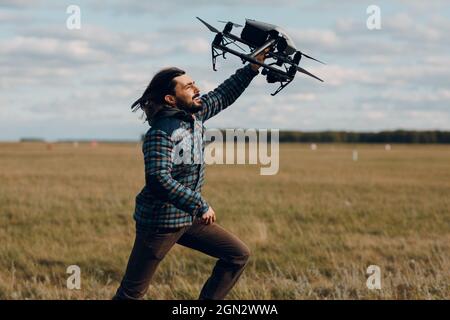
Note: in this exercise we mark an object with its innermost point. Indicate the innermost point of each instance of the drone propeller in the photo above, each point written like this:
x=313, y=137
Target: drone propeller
x=300, y=69
x=309, y=57
x=210, y=27
x=234, y=24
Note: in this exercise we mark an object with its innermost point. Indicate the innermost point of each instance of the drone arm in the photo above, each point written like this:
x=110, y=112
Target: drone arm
x=249, y=58
x=266, y=45
x=226, y=93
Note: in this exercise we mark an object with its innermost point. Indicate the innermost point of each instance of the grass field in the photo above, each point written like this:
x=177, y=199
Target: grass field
x=313, y=228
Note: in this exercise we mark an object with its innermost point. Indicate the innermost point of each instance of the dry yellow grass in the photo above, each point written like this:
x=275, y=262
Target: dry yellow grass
x=313, y=229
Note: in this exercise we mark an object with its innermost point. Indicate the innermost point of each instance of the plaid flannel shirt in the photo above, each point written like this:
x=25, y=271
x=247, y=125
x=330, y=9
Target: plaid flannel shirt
x=171, y=196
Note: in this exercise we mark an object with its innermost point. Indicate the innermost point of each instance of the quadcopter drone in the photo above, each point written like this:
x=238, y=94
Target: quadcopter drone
x=259, y=37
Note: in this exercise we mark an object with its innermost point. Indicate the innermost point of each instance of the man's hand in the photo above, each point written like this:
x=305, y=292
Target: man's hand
x=260, y=58
x=209, y=216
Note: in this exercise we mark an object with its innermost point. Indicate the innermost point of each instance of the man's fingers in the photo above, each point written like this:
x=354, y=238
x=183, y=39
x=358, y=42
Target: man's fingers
x=210, y=219
x=264, y=54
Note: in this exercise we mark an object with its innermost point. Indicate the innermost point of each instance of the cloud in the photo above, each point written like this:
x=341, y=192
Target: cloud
x=403, y=26
x=155, y=7
x=195, y=45
x=101, y=39
x=50, y=49
x=440, y=95
x=418, y=75
x=322, y=38
x=14, y=18
x=404, y=100
x=337, y=75
x=16, y=3
x=49, y=55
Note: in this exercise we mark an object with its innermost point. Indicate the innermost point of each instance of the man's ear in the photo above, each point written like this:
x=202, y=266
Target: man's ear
x=170, y=99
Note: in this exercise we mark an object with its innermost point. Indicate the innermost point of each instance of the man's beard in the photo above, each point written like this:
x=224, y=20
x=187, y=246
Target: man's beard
x=188, y=107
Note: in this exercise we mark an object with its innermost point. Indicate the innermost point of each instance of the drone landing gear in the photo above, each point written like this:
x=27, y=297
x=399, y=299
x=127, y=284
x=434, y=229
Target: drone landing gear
x=281, y=87
x=214, y=52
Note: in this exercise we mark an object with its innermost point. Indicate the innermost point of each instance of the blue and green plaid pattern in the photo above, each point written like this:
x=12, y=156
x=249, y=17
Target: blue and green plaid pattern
x=172, y=196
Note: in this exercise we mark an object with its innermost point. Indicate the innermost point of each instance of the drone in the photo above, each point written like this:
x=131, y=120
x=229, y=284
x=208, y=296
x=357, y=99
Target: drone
x=259, y=37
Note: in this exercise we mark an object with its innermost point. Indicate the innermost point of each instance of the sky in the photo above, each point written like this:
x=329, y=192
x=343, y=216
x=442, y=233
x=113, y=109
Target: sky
x=60, y=83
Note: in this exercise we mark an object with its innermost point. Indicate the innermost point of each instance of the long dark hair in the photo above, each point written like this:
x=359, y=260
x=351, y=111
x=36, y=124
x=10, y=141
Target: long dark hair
x=152, y=100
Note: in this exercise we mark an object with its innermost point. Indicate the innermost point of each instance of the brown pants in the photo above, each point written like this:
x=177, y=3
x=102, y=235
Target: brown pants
x=150, y=247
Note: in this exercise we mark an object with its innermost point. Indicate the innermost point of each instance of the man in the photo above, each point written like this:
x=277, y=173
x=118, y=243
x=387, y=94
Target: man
x=170, y=208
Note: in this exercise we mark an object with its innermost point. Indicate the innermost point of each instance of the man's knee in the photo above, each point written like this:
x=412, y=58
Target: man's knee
x=246, y=253
x=242, y=256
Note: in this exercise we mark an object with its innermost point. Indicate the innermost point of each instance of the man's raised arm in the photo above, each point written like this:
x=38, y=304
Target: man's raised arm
x=226, y=93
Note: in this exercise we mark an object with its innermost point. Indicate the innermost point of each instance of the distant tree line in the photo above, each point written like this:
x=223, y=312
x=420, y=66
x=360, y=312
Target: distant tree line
x=397, y=136
x=31, y=139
